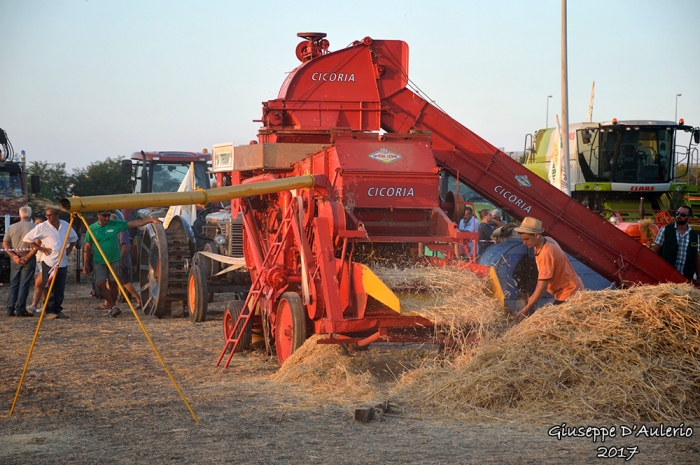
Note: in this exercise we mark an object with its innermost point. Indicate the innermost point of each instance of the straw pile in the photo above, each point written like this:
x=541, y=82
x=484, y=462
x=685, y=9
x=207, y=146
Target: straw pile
x=456, y=300
x=630, y=355
x=328, y=369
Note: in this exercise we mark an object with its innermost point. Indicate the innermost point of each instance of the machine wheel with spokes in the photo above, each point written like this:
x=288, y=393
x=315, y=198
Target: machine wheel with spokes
x=162, y=271
x=197, y=301
x=233, y=310
x=290, y=325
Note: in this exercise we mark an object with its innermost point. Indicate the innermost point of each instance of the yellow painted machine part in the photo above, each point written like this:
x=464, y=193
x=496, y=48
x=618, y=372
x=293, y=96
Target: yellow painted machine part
x=376, y=288
x=197, y=197
x=495, y=286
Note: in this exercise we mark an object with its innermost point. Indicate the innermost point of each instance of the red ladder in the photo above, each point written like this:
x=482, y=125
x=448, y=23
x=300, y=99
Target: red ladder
x=256, y=290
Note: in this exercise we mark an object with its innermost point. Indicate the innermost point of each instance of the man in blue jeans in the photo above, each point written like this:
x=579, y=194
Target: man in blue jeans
x=22, y=264
x=48, y=237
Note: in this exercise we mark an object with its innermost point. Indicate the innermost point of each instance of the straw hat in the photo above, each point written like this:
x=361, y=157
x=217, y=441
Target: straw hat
x=530, y=225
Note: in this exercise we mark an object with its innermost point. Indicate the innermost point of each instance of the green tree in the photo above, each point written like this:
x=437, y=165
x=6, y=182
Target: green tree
x=55, y=184
x=100, y=178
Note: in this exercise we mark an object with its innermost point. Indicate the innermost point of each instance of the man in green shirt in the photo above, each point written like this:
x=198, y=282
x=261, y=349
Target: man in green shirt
x=106, y=232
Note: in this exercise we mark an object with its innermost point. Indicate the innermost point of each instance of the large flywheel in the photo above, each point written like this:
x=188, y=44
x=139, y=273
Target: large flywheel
x=162, y=267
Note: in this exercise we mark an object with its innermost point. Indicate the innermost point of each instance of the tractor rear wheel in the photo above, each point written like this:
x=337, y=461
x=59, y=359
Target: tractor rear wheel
x=197, y=294
x=234, y=308
x=290, y=327
x=162, y=273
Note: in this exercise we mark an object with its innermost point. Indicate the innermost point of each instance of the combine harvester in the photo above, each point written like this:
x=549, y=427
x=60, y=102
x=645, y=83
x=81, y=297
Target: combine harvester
x=625, y=171
x=349, y=162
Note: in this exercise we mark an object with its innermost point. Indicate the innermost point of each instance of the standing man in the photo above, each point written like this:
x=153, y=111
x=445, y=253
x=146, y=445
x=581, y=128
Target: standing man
x=554, y=271
x=470, y=224
x=22, y=265
x=106, y=232
x=496, y=220
x=485, y=230
x=678, y=244
x=48, y=237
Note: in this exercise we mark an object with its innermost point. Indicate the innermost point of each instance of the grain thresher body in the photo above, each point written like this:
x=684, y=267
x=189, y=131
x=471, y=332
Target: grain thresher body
x=375, y=190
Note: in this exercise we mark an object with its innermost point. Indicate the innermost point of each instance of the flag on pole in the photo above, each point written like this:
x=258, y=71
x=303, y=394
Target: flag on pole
x=554, y=149
x=557, y=175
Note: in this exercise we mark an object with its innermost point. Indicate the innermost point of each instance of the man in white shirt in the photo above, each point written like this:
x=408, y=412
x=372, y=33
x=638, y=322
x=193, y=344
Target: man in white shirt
x=469, y=224
x=48, y=237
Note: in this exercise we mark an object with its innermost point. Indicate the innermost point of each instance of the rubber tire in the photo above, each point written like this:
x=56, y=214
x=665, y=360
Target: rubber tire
x=233, y=310
x=290, y=330
x=211, y=267
x=197, y=301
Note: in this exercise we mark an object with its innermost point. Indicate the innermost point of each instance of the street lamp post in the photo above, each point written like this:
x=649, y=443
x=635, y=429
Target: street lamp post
x=546, y=124
x=675, y=120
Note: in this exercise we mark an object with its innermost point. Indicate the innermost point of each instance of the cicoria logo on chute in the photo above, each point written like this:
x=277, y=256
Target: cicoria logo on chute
x=385, y=156
x=523, y=181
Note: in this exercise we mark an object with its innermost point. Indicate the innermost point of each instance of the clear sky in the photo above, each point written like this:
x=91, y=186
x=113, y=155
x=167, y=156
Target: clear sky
x=81, y=81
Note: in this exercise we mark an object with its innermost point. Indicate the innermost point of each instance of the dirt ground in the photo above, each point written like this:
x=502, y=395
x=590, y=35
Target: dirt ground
x=96, y=393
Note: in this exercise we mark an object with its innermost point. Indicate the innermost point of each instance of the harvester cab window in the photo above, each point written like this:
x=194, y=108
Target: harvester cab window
x=589, y=157
x=634, y=155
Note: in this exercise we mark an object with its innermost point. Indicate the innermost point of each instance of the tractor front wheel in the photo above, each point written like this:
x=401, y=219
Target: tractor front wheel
x=197, y=294
x=290, y=330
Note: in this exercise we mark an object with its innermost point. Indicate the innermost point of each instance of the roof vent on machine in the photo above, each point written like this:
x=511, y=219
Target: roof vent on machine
x=314, y=46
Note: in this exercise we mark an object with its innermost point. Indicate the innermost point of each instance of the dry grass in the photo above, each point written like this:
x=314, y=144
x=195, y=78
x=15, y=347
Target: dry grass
x=623, y=355
x=628, y=355
x=457, y=301
x=328, y=369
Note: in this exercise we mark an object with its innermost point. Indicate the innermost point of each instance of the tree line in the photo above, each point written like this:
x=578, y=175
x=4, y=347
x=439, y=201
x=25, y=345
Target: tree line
x=98, y=178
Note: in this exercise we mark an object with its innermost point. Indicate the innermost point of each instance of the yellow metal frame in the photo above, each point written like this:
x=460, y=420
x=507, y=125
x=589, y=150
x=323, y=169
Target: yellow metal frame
x=126, y=298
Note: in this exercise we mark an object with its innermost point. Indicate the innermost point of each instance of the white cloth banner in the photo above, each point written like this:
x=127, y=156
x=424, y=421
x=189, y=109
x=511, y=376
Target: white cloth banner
x=235, y=262
x=557, y=175
x=188, y=212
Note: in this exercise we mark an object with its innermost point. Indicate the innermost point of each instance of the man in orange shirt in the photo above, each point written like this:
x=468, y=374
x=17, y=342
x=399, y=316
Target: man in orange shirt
x=554, y=271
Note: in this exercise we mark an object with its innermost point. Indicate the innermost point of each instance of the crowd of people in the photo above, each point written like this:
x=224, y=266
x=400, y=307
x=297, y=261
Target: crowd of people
x=490, y=227
x=34, y=247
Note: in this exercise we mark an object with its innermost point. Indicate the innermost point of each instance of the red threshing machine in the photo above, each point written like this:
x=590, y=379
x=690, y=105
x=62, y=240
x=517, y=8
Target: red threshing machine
x=375, y=151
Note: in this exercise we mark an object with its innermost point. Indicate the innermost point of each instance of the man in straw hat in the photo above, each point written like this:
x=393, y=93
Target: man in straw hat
x=554, y=271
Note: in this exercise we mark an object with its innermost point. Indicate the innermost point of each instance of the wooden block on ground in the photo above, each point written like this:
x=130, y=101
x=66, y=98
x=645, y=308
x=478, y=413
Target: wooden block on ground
x=364, y=414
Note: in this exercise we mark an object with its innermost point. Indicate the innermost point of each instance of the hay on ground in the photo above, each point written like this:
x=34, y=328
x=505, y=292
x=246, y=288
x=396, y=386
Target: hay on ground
x=628, y=355
x=327, y=369
x=458, y=301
